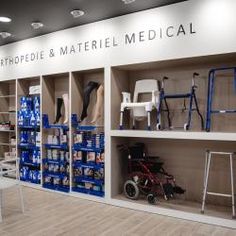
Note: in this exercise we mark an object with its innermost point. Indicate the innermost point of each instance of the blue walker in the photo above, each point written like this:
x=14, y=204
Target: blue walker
x=211, y=81
x=192, y=99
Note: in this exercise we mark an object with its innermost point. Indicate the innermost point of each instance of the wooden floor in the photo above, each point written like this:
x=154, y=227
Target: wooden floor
x=49, y=214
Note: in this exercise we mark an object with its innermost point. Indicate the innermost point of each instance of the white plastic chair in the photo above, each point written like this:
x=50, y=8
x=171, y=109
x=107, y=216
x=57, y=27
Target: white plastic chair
x=7, y=168
x=140, y=109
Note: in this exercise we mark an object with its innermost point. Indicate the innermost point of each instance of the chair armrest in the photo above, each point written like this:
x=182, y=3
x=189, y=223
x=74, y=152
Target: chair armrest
x=126, y=97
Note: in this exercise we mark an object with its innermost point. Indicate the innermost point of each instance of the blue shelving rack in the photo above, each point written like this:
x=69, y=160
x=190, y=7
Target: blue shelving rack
x=29, y=148
x=56, y=170
x=88, y=159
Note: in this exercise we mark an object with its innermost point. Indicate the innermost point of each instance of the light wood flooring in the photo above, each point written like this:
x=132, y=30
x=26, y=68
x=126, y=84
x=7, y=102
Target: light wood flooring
x=49, y=214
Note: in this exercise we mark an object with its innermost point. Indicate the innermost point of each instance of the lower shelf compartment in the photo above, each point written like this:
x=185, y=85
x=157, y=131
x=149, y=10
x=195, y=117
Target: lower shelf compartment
x=88, y=191
x=182, y=205
x=57, y=188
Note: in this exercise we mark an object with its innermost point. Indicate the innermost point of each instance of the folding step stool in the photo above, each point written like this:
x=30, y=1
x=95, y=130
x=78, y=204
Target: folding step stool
x=209, y=155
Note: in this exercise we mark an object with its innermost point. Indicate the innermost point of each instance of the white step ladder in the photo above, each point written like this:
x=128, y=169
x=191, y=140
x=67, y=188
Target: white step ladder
x=209, y=155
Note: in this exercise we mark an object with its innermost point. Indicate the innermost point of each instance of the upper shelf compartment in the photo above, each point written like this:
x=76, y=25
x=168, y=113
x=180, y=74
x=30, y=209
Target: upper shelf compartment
x=177, y=95
x=87, y=96
x=55, y=99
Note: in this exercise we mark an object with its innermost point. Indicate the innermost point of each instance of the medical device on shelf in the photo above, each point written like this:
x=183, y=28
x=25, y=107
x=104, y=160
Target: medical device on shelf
x=192, y=100
x=140, y=109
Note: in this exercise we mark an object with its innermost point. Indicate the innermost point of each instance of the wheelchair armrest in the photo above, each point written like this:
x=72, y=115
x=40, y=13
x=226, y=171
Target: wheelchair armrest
x=126, y=97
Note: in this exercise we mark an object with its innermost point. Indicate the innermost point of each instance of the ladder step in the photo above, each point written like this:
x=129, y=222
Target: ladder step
x=219, y=194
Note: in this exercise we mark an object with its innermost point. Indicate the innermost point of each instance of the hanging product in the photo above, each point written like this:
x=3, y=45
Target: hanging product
x=58, y=107
x=146, y=175
x=192, y=99
x=99, y=104
x=211, y=81
x=86, y=98
x=140, y=109
x=65, y=98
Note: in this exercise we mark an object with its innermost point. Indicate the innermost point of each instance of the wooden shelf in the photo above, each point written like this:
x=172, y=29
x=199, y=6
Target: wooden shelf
x=7, y=144
x=7, y=112
x=210, y=136
x=7, y=96
x=7, y=131
x=188, y=210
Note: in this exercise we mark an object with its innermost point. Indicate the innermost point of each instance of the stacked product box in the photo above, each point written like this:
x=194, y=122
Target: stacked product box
x=88, y=162
x=29, y=139
x=56, y=167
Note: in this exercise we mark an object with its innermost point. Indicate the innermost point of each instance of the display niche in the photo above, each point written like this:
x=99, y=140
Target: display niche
x=87, y=117
x=184, y=161
x=177, y=76
x=29, y=129
x=8, y=120
x=55, y=136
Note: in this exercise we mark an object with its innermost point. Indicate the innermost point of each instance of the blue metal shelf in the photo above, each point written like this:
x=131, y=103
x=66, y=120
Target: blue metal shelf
x=28, y=146
x=54, y=146
x=90, y=165
x=46, y=124
x=46, y=160
x=88, y=191
x=29, y=181
x=28, y=127
x=57, y=187
x=84, y=179
x=55, y=175
x=78, y=147
x=76, y=124
x=31, y=164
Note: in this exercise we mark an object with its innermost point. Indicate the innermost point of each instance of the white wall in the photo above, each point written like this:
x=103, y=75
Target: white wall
x=213, y=32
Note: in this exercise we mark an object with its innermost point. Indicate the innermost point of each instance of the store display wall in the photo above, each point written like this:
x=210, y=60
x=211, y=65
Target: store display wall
x=117, y=52
x=201, y=32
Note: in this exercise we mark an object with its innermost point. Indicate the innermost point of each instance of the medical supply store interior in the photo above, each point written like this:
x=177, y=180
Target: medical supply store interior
x=118, y=109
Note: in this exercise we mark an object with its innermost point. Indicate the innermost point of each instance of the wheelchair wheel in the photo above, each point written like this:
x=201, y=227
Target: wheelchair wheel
x=131, y=190
x=152, y=199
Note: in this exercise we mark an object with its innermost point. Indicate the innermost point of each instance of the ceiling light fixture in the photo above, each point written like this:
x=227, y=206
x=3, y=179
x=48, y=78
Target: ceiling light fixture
x=5, y=35
x=77, y=13
x=128, y=1
x=36, y=25
x=5, y=19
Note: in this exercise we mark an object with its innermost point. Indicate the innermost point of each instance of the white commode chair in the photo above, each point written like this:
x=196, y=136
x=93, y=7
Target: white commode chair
x=9, y=168
x=140, y=109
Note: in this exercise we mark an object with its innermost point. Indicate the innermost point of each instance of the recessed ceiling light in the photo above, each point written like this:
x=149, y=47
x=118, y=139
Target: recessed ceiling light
x=37, y=25
x=128, y=1
x=5, y=35
x=77, y=13
x=5, y=19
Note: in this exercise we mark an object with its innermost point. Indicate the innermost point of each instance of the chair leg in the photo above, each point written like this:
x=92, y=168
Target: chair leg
x=149, y=120
x=21, y=199
x=121, y=119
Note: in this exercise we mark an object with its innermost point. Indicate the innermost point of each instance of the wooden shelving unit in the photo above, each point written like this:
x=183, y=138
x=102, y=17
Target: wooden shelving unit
x=182, y=152
x=7, y=118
